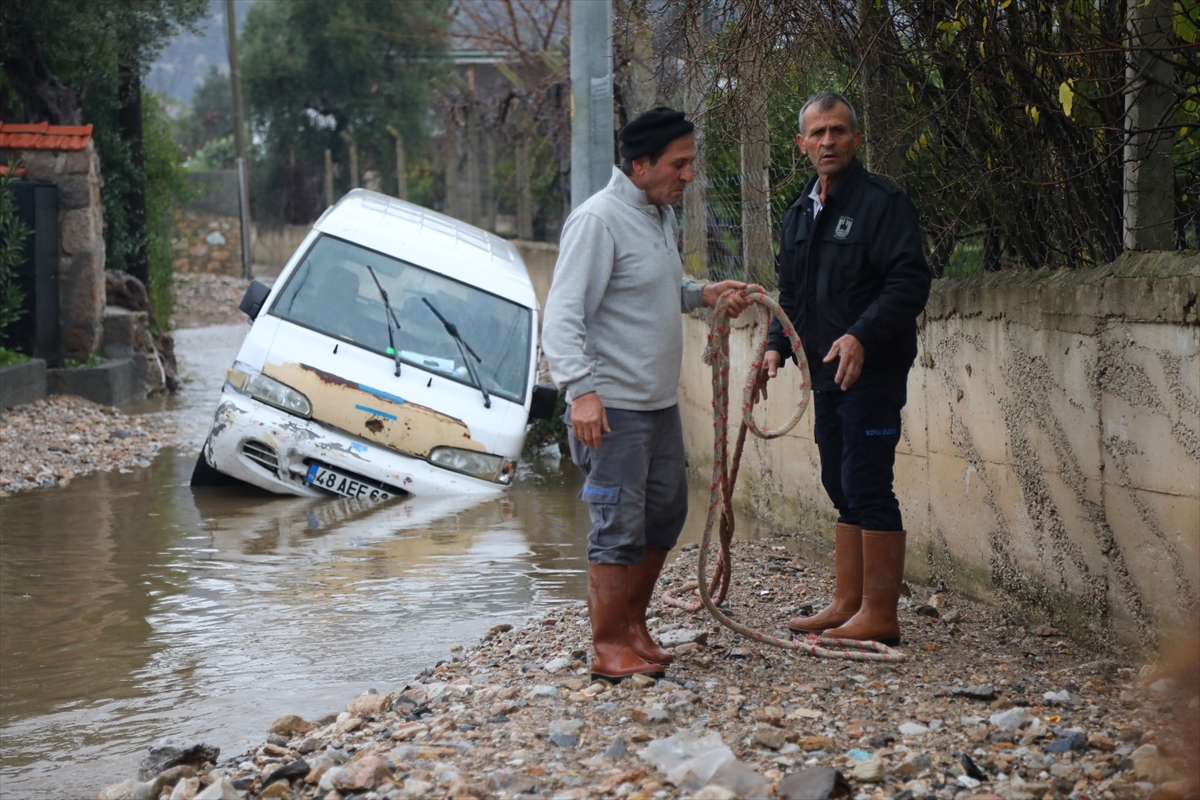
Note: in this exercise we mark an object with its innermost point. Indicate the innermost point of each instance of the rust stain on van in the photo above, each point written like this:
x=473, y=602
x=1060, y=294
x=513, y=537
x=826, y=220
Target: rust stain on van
x=373, y=414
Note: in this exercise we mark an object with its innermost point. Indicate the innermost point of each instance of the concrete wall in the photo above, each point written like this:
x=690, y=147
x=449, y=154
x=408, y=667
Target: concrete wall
x=539, y=259
x=272, y=247
x=1050, y=459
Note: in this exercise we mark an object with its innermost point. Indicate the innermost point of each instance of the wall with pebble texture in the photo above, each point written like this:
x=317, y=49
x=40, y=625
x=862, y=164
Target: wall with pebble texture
x=1050, y=459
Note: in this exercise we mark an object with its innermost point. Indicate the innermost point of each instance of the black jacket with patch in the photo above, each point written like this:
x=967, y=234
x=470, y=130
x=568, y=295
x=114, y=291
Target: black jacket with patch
x=859, y=269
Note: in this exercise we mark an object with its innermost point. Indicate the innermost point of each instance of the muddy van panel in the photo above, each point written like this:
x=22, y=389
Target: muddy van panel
x=396, y=353
x=372, y=413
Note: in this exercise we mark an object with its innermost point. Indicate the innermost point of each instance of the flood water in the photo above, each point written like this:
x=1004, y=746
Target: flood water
x=133, y=607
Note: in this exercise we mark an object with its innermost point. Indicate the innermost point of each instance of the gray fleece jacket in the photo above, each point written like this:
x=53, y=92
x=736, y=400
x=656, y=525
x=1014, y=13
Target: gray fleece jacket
x=612, y=323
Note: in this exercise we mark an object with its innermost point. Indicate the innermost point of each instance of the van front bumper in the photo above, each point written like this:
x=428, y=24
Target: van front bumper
x=271, y=449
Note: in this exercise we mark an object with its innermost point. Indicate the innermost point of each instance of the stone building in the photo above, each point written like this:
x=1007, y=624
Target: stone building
x=65, y=156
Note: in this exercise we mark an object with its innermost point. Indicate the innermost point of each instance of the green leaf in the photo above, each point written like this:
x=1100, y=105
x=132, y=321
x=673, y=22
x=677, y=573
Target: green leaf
x=1066, y=97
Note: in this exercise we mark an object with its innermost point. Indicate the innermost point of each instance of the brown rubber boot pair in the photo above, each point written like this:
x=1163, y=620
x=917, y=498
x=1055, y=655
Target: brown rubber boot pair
x=883, y=572
x=847, y=593
x=609, y=587
x=643, y=578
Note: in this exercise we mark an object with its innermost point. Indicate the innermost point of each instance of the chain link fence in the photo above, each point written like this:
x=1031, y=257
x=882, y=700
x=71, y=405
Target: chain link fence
x=1031, y=134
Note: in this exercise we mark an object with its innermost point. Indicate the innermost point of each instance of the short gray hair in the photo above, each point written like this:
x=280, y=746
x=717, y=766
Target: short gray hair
x=825, y=101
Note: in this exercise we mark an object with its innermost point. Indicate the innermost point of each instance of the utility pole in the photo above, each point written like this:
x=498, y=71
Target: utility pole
x=328, y=177
x=239, y=137
x=1149, y=197
x=401, y=169
x=591, y=98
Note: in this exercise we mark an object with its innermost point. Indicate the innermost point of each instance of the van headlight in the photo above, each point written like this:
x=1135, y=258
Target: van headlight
x=245, y=380
x=484, y=466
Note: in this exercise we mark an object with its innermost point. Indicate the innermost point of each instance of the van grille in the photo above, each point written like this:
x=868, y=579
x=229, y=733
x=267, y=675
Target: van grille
x=263, y=455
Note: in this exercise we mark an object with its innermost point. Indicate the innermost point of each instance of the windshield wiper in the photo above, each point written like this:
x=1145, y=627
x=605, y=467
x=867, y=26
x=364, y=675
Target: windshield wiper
x=389, y=317
x=452, y=329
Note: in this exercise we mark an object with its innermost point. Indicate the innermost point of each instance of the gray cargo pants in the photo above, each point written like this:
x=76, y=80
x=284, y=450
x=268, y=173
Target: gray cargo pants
x=635, y=486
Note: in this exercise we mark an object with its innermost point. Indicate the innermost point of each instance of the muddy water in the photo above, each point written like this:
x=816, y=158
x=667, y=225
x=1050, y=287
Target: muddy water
x=132, y=607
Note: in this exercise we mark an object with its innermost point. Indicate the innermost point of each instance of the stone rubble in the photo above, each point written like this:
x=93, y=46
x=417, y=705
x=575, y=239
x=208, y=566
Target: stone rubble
x=985, y=708
x=51, y=441
x=981, y=716
x=202, y=300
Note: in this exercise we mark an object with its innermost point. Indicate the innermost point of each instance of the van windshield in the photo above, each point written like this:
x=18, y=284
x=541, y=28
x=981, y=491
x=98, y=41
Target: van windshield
x=333, y=292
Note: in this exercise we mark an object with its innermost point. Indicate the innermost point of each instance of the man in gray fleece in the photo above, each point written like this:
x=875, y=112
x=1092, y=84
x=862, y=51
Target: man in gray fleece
x=613, y=337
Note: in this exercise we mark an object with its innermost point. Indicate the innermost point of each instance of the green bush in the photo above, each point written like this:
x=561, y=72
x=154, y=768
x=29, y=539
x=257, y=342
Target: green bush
x=13, y=233
x=8, y=357
x=547, y=431
x=71, y=363
x=166, y=187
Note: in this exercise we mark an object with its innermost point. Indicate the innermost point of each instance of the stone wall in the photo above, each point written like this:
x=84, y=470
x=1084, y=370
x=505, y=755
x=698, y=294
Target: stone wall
x=212, y=243
x=207, y=243
x=81, y=242
x=1050, y=459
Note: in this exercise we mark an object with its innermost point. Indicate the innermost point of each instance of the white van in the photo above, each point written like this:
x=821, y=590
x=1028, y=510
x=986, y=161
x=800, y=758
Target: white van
x=395, y=354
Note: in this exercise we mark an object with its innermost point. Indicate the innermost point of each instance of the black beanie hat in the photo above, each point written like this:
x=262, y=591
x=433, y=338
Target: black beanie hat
x=650, y=132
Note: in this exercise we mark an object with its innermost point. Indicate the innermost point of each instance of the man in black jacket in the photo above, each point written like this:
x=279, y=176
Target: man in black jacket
x=853, y=278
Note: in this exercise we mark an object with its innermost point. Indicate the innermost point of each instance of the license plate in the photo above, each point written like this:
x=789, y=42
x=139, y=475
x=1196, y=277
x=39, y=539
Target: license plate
x=334, y=481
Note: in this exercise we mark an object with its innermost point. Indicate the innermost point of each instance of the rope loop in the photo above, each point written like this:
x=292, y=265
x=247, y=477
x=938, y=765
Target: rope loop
x=712, y=593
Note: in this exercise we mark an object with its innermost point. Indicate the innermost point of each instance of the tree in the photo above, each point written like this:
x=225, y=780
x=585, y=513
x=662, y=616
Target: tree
x=318, y=75
x=73, y=61
x=524, y=108
x=211, y=113
x=1005, y=120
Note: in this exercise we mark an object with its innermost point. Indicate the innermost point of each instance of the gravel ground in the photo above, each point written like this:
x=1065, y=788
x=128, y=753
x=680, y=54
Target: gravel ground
x=53, y=440
x=202, y=300
x=985, y=707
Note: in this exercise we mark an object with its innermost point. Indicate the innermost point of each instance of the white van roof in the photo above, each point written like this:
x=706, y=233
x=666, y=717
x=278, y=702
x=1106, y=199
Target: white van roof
x=431, y=240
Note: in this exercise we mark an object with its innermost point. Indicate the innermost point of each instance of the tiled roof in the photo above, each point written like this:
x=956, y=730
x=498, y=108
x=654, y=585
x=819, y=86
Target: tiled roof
x=44, y=136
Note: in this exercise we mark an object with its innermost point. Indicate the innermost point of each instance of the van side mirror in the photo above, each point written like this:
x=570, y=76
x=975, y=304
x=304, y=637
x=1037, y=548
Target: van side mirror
x=252, y=301
x=545, y=399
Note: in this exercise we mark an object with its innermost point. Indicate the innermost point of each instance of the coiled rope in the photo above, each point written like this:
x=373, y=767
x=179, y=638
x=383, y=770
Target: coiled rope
x=712, y=593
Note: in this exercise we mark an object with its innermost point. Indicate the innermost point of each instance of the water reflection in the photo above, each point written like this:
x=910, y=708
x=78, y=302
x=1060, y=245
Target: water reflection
x=133, y=607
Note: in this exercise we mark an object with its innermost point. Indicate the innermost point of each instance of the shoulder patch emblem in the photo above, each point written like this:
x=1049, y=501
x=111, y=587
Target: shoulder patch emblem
x=843, y=227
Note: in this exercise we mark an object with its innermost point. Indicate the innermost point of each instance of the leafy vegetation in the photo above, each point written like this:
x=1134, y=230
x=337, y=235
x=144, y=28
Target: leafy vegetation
x=10, y=357
x=319, y=75
x=543, y=432
x=13, y=233
x=166, y=189
x=1005, y=120
x=72, y=363
x=69, y=62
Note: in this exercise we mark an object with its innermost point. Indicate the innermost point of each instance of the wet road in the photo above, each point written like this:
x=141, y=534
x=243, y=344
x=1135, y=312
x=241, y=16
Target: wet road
x=132, y=607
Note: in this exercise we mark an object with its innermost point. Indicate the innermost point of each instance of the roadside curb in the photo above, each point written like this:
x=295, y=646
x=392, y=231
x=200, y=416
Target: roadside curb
x=22, y=383
x=113, y=382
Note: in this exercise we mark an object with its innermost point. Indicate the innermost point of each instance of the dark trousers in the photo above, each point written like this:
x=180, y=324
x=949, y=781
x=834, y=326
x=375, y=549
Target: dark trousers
x=857, y=432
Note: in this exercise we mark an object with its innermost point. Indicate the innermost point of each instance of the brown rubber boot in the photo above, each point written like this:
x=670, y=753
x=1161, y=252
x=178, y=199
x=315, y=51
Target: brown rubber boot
x=847, y=593
x=643, y=578
x=883, y=571
x=608, y=608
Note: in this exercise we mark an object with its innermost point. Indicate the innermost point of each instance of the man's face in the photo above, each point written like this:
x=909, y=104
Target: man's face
x=664, y=181
x=828, y=140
